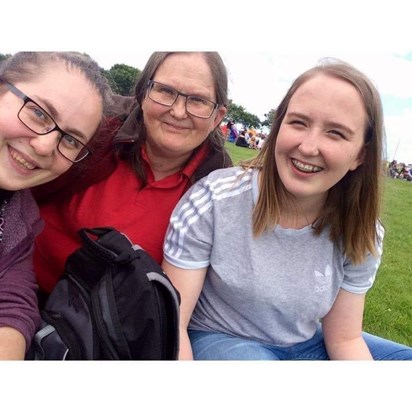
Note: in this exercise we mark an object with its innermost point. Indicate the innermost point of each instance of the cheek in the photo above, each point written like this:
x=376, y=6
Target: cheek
x=10, y=127
x=152, y=111
x=282, y=143
x=59, y=166
x=201, y=129
x=207, y=128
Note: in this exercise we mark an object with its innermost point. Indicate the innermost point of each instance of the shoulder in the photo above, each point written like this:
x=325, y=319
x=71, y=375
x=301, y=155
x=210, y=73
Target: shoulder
x=22, y=221
x=226, y=180
x=22, y=204
x=229, y=173
x=30, y=212
x=219, y=188
x=120, y=106
x=219, y=185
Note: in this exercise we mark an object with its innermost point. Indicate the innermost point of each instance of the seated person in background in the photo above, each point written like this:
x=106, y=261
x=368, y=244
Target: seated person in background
x=241, y=140
x=253, y=142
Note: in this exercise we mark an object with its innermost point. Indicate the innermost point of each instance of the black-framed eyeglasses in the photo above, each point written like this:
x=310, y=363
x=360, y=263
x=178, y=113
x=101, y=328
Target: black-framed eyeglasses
x=167, y=96
x=36, y=119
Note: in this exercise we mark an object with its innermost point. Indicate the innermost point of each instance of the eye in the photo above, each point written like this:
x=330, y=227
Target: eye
x=36, y=114
x=199, y=101
x=336, y=133
x=297, y=123
x=39, y=113
x=165, y=90
x=69, y=142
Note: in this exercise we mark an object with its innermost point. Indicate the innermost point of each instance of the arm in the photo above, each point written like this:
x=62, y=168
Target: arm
x=189, y=283
x=12, y=344
x=342, y=328
x=19, y=313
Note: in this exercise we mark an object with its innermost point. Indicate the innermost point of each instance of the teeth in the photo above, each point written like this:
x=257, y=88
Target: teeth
x=22, y=162
x=306, y=168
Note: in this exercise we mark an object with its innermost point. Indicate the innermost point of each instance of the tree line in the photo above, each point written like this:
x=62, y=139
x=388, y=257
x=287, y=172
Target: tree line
x=123, y=77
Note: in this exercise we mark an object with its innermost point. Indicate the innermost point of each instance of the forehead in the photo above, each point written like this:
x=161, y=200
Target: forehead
x=57, y=71
x=58, y=81
x=329, y=91
x=327, y=87
x=67, y=95
x=186, y=71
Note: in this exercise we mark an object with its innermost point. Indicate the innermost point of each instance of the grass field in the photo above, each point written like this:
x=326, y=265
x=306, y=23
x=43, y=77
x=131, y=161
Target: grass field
x=388, y=311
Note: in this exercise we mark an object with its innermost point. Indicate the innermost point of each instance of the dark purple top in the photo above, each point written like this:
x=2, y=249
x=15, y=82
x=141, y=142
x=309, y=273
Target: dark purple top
x=18, y=300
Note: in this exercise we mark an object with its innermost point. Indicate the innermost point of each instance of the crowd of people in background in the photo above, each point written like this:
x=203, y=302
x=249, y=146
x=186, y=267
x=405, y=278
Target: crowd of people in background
x=400, y=170
x=160, y=174
x=249, y=138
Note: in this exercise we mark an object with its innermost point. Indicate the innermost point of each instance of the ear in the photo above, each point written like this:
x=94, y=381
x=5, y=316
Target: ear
x=220, y=114
x=360, y=158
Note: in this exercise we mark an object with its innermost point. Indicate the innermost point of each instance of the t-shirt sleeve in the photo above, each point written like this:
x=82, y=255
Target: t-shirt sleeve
x=360, y=278
x=188, y=241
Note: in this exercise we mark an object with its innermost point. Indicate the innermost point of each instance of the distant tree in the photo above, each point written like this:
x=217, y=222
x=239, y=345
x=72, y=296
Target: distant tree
x=122, y=78
x=269, y=118
x=4, y=56
x=240, y=115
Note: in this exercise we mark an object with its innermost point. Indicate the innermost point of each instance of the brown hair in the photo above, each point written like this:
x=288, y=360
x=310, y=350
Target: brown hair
x=25, y=66
x=215, y=138
x=353, y=204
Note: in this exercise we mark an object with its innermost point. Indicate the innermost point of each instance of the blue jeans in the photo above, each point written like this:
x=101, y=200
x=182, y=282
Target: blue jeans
x=219, y=346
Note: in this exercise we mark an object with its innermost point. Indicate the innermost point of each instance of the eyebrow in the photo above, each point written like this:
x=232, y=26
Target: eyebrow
x=330, y=124
x=55, y=115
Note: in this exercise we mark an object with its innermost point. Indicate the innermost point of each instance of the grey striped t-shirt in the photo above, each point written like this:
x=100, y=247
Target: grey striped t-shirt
x=273, y=288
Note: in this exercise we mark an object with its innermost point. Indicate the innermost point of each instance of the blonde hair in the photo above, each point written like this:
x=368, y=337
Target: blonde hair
x=352, y=207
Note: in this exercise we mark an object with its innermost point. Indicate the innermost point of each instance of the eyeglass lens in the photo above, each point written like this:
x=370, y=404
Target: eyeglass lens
x=167, y=96
x=40, y=122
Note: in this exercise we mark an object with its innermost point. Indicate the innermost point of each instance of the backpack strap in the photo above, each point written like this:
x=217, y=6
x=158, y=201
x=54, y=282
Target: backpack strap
x=108, y=244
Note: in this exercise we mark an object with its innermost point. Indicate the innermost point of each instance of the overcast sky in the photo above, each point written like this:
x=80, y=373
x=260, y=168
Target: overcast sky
x=264, y=48
x=259, y=79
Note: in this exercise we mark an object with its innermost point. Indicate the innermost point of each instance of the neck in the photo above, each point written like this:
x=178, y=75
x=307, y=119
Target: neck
x=162, y=165
x=296, y=215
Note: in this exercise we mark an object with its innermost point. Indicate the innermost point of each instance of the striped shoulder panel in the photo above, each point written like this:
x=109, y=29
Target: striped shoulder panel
x=200, y=200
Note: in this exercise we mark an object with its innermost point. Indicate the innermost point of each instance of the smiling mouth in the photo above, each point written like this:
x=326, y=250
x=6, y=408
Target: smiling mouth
x=175, y=126
x=21, y=161
x=305, y=168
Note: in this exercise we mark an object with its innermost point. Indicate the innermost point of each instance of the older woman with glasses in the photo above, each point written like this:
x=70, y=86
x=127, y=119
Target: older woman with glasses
x=37, y=90
x=153, y=147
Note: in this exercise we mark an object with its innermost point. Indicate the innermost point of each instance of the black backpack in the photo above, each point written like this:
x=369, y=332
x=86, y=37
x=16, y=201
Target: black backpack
x=113, y=302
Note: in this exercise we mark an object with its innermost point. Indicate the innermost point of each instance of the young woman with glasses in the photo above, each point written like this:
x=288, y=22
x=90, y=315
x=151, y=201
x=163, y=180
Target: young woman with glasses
x=143, y=162
x=51, y=104
x=305, y=215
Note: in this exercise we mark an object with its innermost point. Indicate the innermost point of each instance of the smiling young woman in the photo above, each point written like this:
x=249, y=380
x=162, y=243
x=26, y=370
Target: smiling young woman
x=305, y=215
x=37, y=90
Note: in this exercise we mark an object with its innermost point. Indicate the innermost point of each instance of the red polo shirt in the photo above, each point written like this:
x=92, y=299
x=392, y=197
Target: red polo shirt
x=119, y=201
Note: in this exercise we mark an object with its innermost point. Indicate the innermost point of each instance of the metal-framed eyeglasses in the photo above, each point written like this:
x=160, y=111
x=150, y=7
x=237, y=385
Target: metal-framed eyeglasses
x=167, y=96
x=38, y=120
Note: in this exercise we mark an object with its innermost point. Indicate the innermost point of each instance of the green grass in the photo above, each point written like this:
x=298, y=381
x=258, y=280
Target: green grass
x=388, y=310
x=239, y=153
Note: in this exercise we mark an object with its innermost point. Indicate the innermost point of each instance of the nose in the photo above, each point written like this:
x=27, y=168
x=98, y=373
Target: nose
x=309, y=145
x=45, y=145
x=178, y=110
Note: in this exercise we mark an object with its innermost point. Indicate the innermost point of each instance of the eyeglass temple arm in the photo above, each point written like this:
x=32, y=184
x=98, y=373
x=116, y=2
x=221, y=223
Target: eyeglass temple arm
x=15, y=90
